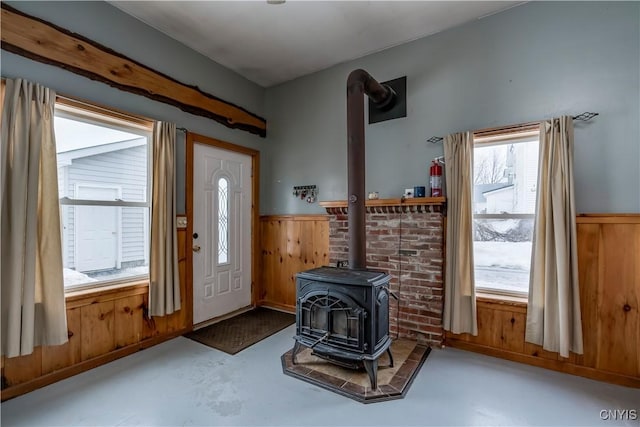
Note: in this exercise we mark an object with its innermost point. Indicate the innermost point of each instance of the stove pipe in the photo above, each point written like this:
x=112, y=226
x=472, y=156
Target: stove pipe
x=358, y=84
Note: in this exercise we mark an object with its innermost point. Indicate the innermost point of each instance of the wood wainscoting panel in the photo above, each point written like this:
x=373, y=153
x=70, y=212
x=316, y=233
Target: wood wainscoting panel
x=185, y=319
x=270, y=283
x=489, y=327
x=158, y=325
x=609, y=277
x=98, y=323
x=513, y=325
x=589, y=268
x=618, y=297
x=128, y=323
x=535, y=350
x=103, y=325
x=171, y=322
x=60, y=356
x=500, y=326
x=22, y=368
x=290, y=244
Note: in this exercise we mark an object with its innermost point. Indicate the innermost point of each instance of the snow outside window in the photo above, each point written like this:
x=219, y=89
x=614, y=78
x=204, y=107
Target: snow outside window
x=504, y=200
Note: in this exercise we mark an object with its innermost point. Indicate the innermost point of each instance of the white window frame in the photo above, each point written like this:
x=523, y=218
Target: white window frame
x=80, y=111
x=494, y=139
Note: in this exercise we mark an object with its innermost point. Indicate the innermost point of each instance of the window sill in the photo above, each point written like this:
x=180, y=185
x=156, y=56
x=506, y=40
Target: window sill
x=84, y=297
x=503, y=300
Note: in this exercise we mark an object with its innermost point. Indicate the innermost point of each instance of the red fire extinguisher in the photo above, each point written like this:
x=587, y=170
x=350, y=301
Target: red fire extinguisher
x=435, y=177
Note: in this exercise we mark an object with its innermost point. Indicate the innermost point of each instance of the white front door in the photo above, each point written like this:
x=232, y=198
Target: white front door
x=96, y=229
x=221, y=232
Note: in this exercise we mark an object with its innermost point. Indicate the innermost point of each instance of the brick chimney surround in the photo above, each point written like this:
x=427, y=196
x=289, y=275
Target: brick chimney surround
x=405, y=238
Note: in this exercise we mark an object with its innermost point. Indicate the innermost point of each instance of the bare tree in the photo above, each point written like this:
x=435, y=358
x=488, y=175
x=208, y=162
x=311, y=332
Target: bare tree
x=489, y=170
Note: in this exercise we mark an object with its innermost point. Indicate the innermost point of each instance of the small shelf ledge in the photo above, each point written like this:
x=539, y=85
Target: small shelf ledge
x=414, y=204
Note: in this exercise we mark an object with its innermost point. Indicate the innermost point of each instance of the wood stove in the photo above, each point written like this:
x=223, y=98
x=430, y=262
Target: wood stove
x=343, y=315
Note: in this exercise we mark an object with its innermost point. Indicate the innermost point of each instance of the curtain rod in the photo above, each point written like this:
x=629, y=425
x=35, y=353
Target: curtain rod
x=583, y=117
x=182, y=129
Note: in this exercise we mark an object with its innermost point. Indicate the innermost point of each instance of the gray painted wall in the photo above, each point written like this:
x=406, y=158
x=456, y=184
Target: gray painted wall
x=106, y=24
x=534, y=61
x=531, y=62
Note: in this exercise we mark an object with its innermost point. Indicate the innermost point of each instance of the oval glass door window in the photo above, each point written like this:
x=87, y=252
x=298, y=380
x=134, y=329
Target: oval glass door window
x=223, y=221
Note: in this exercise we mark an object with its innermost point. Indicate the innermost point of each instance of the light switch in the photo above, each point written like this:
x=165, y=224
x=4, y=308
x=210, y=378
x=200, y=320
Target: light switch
x=181, y=222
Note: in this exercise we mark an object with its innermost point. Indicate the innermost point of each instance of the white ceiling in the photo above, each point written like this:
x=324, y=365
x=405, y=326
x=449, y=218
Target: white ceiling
x=273, y=43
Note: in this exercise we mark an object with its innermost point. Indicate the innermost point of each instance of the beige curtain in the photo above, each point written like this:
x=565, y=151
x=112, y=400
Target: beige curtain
x=459, y=293
x=33, y=304
x=553, y=313
x=164, y=287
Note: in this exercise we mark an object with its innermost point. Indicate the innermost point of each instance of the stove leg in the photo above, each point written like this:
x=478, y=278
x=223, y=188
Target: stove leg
x=390, y=357
x=371, y=366
x=296, y=349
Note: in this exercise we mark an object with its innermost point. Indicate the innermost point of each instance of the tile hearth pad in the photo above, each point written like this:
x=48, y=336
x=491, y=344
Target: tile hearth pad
x=393, y=382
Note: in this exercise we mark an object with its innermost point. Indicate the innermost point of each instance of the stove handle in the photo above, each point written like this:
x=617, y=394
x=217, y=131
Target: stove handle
x=388, y=293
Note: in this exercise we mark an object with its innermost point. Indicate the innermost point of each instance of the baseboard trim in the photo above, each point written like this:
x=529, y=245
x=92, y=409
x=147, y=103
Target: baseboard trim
x=278, y=306
x=61, y=374
x=555, y=365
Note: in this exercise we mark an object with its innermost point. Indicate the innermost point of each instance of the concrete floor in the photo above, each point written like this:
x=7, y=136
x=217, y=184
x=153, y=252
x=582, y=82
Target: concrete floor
x=181, y=382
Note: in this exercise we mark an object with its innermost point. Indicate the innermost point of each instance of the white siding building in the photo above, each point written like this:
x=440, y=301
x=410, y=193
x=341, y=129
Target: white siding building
x=517, y=191
x=103, y=238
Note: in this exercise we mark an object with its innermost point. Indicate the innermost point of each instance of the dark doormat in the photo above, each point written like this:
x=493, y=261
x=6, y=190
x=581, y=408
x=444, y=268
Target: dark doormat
x=239, y=332
x=393, y=382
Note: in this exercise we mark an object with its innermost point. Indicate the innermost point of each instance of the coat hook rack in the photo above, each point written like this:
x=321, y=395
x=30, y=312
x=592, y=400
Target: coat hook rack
x=308, y=193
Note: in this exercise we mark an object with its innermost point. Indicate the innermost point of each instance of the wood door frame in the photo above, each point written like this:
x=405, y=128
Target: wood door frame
x=191, y=140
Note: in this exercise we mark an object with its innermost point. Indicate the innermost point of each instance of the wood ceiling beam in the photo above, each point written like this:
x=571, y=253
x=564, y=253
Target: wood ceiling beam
x=45, y=42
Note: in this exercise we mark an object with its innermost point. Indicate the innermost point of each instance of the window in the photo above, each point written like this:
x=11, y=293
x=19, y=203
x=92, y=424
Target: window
x=505, y=172
x=103, y=183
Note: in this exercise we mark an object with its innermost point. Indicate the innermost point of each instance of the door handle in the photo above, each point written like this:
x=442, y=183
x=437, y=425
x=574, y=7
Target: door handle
x=196, y=248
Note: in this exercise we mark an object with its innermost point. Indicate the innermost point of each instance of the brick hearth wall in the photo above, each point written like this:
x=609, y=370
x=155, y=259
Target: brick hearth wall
x=408, y=246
